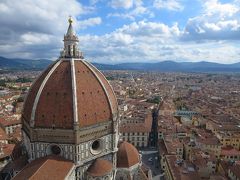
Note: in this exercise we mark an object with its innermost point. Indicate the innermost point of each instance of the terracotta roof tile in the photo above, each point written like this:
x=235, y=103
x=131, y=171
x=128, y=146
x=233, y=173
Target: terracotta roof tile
x=7, y=149
x=29, y=100
x=138, y=127
x=127, y=155
x=5, y=122
x=3, y=135
x=100, y=167
x=49, y=167
x=55, y=105
x=93, y=105
x=229, y=151
x=108, y=87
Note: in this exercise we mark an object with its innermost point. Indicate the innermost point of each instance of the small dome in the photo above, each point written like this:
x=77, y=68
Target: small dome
x=127, y=155
x=100, y=167
x=70, y=91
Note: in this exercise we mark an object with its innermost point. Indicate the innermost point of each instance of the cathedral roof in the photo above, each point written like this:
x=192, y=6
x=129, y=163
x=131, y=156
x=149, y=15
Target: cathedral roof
x=69, y=92
x=100, y=167
x=127, y=155
x=49, y=167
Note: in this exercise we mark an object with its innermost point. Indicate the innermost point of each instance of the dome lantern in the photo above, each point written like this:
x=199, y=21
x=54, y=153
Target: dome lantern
x=70, y=40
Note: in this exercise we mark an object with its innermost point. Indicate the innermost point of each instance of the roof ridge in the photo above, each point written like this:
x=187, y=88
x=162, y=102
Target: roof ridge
x=39, y=92
x=127, y=154
x=91, y=68
x=103, y=78
x=128, y=151
x=74, y=93
x=44, y=158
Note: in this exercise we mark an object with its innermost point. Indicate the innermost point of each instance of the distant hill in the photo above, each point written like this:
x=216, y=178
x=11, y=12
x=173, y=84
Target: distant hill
x=165, y=66
x=23, y=64
x=171, y=66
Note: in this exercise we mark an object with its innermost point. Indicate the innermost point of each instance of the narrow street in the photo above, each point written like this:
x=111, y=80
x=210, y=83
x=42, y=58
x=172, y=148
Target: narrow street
x=150, y=155
x=151, y=159
x=153, y=135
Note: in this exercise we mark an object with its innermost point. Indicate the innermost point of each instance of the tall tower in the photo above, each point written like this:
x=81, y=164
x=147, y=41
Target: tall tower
x=71, y=111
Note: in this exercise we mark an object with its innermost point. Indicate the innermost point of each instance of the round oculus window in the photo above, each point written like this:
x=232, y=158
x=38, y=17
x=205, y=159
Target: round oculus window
x=96, y=147
x=55, y=150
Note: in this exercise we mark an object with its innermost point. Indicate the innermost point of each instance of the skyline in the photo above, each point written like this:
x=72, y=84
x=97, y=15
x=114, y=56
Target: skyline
x=124, y=30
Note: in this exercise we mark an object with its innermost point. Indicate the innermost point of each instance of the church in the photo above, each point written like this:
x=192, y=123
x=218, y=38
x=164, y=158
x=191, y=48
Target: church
x=70, y=124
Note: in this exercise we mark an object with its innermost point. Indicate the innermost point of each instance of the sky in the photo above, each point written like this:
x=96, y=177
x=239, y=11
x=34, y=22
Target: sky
x=117, y=31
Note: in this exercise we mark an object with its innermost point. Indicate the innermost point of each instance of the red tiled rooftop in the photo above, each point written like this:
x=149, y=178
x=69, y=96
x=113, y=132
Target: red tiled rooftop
x=3, y=135
x=100, y=167
x=138, y=127
x=5, y=122
x=7, y=149
x=178, y=172
x=46, y=168
x=230, y=151
x=95, y=98
x=127, y=155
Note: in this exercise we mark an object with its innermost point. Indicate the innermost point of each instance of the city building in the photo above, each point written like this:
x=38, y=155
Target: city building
x=9, y=125
x=176, y=169
x=137, y=132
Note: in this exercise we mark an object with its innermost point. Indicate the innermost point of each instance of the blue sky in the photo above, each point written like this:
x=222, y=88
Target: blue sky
x=116, y=31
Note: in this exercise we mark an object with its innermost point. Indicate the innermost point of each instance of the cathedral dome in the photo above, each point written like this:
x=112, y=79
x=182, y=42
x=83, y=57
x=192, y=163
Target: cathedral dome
x=71, y=111
x=69, y=92
x=127, y=155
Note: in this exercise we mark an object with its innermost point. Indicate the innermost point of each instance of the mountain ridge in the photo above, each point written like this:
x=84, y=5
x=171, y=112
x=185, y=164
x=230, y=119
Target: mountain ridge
x=163, y=66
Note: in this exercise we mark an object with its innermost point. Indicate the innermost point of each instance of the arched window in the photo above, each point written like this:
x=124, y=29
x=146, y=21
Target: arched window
x=74, y=50
x=69, y=50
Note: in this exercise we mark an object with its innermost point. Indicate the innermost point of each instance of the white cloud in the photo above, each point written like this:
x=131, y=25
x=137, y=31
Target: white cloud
x=89, y=22
x=126, y=4
x=27, y=25
x=34, y=29
x=151, y=42
x=212, y=26
x=218, y=21
x=138, y=10
x=138, y=41
x=4, y=8
x=150, y=29
x=93, y=2
x=212, y=7
x=121, y=38
x=35, y=38
x=172, y=5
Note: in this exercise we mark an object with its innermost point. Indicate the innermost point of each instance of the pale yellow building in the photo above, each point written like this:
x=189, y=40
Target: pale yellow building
x=137, y=133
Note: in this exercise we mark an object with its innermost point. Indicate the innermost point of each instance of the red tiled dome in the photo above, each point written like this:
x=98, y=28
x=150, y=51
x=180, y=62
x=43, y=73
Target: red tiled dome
x=99, y=168
x=69, y=91
x=127, y=155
